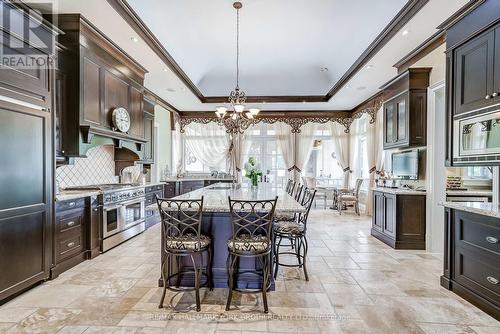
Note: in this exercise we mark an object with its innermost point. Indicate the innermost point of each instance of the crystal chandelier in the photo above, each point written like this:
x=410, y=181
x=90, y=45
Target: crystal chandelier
x=237, y=119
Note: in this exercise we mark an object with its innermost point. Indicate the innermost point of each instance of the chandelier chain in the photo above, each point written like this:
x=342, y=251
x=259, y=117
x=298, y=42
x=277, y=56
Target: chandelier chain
x=237, y=48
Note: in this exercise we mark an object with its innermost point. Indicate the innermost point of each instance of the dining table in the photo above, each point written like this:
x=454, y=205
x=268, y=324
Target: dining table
x=216, y=223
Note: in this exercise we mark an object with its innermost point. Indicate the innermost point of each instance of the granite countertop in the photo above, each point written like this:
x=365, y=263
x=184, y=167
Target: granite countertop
x=481, y=208
x=215, y=197
x=196, y=178
x=399, y=191
x=488, y=193
x=66, y=195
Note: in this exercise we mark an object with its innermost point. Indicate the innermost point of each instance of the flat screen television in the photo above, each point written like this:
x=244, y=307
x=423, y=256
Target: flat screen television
x=405, y=165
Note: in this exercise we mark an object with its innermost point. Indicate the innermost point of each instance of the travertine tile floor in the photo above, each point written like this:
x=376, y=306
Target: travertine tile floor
x=357, y=285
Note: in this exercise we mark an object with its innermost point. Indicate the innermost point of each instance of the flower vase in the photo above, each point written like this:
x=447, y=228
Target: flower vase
x=254, y=183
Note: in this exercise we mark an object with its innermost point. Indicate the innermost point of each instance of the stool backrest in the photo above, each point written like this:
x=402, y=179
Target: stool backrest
x=180, y=217
x=307, y=201
x=252, y=218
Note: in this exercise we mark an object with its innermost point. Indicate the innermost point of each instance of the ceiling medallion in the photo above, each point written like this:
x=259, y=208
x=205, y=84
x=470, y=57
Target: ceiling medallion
x=237, y=120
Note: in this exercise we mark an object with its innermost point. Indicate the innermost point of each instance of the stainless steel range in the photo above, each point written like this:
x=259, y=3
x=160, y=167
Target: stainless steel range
x=123, y=212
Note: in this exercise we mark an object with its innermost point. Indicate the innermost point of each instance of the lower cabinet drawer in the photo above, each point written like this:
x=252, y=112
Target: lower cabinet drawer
x=479, y=271
x=71, y=220
x=69, y=247
x=474, y=231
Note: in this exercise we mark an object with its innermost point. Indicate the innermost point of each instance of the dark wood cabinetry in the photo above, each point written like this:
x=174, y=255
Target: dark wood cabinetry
x=405, y=109
x=27, y=161
x=71, y=221
x=399, y=220
x=472, y=79
x=152, y=214
x=98, y=77
x=472, y=259
x=149, y=131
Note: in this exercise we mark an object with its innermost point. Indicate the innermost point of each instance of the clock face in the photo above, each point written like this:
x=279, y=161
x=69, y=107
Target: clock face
x=121, y=119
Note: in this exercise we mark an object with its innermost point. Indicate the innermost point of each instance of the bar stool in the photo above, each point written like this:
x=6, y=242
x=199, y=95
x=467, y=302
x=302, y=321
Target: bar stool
x=295, y=231
x=251, y=224
x=181, y=231
x=289, y=186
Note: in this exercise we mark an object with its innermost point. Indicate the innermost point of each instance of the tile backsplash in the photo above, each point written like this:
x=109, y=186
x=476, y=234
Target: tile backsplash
x=97, y=168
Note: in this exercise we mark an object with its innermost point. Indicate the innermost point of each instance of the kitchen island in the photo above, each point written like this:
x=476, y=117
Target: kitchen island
x=216, y=224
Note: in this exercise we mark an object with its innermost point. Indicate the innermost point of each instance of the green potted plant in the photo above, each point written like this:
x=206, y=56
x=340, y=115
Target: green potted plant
x=252, y=171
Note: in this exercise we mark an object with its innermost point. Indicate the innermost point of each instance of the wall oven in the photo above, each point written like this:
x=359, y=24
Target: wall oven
x=477, y=139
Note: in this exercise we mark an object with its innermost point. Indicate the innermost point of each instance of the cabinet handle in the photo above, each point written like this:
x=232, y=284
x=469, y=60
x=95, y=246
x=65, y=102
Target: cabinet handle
x=71, y=203
x=71, y=223
x=96, y=209
x=71, y=244
x=492, y=280
x=492, y=240
x=494, y=94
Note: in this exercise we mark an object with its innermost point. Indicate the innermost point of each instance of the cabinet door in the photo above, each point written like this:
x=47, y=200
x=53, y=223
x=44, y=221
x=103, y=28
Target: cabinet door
x=91, y=93
x=378, y=214
x=390, y=118
x=401, y=110
x=390, y=215
x=116, y=94
x=25, y=197
x=136, y=113
x=149, y=124
x=474, y=64
x=496, y=89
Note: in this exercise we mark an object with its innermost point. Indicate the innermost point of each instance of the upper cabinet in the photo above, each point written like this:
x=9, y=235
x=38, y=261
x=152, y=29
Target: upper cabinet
x=473, y=85
x=405, y=109
x=98, y=78
x=476, y=81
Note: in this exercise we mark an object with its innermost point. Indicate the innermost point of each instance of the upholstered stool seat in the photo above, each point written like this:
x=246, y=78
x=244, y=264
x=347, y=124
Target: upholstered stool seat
x=285, y=217
x=348, y=198
x=288, y=227
x=247, y=243
x=189, y=242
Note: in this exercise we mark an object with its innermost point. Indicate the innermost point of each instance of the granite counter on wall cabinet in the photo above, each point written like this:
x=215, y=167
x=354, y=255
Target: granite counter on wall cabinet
x=480, y=208
x=399, y=191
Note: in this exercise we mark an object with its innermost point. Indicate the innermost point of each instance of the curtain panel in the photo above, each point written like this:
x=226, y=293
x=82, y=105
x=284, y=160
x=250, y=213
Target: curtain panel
x=209, y=143
x=341, y=146
x=303, y=147
x=375, y=153
x=286, y=144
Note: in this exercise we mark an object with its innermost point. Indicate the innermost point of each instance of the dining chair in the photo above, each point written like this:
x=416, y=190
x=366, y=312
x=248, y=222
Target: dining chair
x=181, y=230
x=295, y=231
x=289, y=186
x=251, y=225
x=350, y=197
x=310, y=183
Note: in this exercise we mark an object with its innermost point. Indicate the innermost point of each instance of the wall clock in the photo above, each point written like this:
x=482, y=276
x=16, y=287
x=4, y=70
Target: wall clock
x=121, y=119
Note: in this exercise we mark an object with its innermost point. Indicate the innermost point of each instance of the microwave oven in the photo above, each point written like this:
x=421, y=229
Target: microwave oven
x=477, y=139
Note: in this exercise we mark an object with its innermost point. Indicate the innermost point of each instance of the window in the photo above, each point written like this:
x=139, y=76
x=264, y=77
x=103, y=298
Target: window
x=264, y=148
x=478, y=173
x=322, y=163
x=200, y=134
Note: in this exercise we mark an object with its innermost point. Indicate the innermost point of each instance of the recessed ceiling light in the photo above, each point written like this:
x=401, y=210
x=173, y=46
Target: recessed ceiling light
x=347, y=86
x=369, y=67
x=183, y=89
x=323, y=69
x=405, y=32
x=165, y=70
x=361, y=88
x=304, y=101
x=134, y=39
x=171, y=90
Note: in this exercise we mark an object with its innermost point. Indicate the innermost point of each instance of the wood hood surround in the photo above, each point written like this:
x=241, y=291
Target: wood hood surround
x=98, y=77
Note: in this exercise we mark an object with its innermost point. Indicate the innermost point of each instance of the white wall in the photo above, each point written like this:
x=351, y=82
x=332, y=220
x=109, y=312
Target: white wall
x=163, y=142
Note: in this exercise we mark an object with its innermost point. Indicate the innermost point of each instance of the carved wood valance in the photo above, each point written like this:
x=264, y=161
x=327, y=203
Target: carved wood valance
x=296, y=119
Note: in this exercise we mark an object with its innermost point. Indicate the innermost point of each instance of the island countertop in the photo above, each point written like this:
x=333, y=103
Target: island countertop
x=485, y=209
x=215, y=197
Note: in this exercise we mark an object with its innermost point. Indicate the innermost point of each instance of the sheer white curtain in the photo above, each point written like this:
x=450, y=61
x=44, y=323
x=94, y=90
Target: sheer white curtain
x=303, y=146
x=177, y=151
x=240, y=144
x=285, y=139
x=209, y=143
x=375, y=153
x=341, y=145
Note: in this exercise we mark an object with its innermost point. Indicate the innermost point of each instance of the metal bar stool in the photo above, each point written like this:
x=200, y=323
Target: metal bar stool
x=181, y=230
x=251, y=224
x=295, y=231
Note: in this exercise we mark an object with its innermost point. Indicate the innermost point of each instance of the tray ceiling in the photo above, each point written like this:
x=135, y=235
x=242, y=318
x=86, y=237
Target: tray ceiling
x=285, y=45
